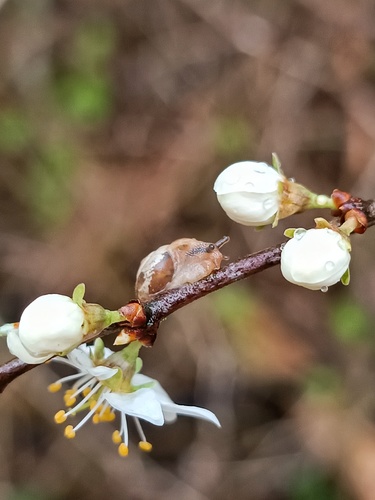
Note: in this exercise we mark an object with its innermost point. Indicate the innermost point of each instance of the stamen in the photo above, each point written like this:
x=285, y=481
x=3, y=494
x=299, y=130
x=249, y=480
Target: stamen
x=68, y=378
x=123, y=450
x=54, y=387
x=69, y=432
x=81, y=388
x=84, y=400
x=140, y=430
x=124, y=429
x=145, y=446
x=109, y=416
x=90, y=413
x=69, y=400
x=116, y=437
x=93, y=404
x=96, y=419
x=60, y=417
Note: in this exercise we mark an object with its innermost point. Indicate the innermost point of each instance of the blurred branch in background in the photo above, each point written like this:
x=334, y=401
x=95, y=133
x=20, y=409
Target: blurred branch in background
x=115, y=119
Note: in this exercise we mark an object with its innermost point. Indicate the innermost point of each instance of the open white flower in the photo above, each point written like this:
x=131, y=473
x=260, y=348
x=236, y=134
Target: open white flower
x=315, y=258
x=106, y=382
x=50, y=324
x=248, y=192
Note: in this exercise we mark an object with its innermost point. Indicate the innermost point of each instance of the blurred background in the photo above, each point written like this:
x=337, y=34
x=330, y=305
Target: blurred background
x=115, y=119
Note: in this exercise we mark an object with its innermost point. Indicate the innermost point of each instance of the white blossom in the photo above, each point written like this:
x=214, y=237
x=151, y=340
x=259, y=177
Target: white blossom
x=315, y=258
x=104, y=389
x=248, y=192
x=51, y=324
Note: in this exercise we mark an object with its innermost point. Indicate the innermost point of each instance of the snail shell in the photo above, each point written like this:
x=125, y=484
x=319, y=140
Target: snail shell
x=186, y=260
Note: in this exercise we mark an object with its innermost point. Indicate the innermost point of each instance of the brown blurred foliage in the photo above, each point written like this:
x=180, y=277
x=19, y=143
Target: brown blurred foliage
x=115, y=119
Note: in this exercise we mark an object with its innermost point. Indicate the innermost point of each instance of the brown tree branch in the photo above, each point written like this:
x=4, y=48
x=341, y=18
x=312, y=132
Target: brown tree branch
x=166, y=303
x=144, y=319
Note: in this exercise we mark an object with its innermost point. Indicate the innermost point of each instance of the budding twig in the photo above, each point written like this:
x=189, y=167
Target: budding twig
x=168, y=302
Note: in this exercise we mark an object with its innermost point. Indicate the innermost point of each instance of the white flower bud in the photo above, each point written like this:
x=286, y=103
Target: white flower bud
x=315, y=258
x=51, y=324
x=248, y=192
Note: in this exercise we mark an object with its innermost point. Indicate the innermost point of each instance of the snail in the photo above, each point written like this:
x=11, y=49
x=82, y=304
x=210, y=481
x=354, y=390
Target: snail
x=185, y=260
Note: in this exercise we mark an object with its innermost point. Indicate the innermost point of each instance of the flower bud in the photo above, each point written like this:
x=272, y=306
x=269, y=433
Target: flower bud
x=315, y=258
x=50, y=324
x=248, y=192
x=55, y=324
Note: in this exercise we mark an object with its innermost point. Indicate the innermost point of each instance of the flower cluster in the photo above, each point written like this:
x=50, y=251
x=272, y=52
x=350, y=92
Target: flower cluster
x=109, y=382
x=257, y=194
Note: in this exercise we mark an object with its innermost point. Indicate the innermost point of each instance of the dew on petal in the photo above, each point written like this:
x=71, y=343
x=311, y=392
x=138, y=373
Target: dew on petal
x=324, y=289
x=329, y=266
x=299, y=233
x=292, y=179
x=282, y=245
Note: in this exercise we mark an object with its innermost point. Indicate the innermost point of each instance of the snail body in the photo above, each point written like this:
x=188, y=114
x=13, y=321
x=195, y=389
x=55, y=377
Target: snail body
x=185, y=260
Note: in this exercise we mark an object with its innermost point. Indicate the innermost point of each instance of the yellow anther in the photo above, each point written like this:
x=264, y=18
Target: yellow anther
x=55, y=387
x=116, y=437
x=69, y=432
x=60, y=417
x=108, y=417
x=86, y=391
x=93, y=404
x=145, y=446
x=96, y=419
x=69, y=401
x=123, y=450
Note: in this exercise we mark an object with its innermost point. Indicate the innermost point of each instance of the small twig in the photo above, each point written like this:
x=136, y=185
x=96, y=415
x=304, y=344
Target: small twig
x=168, y=302
x=154, y=311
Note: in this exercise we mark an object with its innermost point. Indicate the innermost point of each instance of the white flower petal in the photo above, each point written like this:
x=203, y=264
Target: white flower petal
x=80, y=358
x=141, y=403
x=50, y=324
x=248, y=192
x=7, y=328
x=247, y=176
x=16, y=347
x=191, y=411
x=102, y=372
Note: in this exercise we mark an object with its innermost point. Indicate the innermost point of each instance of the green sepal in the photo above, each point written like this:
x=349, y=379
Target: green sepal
x=113, y=317
x=345, y=278
x=146, y=385
x=138, y=365
x=130, y=352
x=289, y=233
x=78, y=294
x=321, y=223
x=116, y=382
x=98, y=349
x=276, y=163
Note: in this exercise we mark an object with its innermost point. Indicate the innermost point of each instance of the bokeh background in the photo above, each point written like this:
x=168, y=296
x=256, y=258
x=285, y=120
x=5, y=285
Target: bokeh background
x=116, y=117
